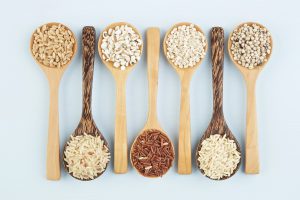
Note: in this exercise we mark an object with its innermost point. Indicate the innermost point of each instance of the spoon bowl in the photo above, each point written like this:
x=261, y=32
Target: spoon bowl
x=151, y=128
x=250, y=77
x=182, y=71
x=218, y=124
x=54, y=76
x=109, y=64
x=185, y=75
x=85, y=127
x=63, y=67
x=245, y=70
x=87, y=124
x=120, y=76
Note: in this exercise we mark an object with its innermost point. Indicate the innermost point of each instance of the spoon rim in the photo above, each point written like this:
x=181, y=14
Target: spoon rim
x=75, y=46
x=258, y=67
x=177, y=68
x=142, y=132
x=109, y=64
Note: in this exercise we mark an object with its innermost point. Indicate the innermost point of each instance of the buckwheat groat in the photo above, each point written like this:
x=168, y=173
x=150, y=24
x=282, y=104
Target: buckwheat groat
x=251, y=45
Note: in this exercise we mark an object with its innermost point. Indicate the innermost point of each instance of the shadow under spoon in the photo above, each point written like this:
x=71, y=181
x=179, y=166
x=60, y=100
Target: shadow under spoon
x=87, y=124
x=217, y=124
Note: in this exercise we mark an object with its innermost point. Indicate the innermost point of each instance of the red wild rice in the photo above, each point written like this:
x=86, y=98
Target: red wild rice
x=152, y=153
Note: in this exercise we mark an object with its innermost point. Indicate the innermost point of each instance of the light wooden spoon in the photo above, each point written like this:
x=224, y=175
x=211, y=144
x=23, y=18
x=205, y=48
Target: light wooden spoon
x=250, y=77
x=120, y=140
x=185, y=75
x=54, y=76
x=217, y=124
x=87, y=124
x=152, y=124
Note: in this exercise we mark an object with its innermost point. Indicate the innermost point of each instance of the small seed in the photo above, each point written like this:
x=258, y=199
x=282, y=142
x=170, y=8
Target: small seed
x=251, y=44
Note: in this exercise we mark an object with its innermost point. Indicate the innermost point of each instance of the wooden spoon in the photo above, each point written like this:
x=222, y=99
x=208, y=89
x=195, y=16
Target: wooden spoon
x=54, y=76
x=217, y=124
x=184, y=141
x=152, y=124
x=250, y=77
x=120, y=141
x=87, y=124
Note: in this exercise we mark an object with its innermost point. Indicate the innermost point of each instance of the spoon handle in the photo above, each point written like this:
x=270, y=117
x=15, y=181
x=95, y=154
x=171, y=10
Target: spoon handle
x=252, y=153
x=53, y=165
x=217, y=56
x=120, y=140
x=88, y=51
x=153, y=45
x=184, y=140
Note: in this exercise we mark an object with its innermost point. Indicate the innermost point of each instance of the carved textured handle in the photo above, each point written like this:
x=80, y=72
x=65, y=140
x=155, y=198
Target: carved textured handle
x=153, y=44
x=217, y=53
x=88, y=51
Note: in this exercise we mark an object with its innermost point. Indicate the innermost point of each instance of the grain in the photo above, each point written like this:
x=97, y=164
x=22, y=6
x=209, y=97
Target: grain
x=121, y=45
x=86, y=156
x=251, y=45
x=185, y=46
x=53, y=45
x=152, y=153
x=218, y=156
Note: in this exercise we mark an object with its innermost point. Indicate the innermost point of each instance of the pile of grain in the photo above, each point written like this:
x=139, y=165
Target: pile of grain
x=251, y=45
x=86, y=156
x=218, y=156
x=185, y=46
x=53, y=45
x=152, y=153
x=121, y=45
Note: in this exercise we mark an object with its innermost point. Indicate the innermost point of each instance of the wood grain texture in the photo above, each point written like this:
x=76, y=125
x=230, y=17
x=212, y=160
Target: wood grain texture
x=87, y=124
x=252, y=165
x=120, y=140
x=153, y=49
x=217, y=124
x=53, y=163
x=54, y=76
x=252, y=151
x=185, y=75
x=184, y=140
x=88, y=51
x=152, y=124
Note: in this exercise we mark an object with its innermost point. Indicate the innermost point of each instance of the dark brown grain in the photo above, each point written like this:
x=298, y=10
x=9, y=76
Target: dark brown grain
x=152, y=153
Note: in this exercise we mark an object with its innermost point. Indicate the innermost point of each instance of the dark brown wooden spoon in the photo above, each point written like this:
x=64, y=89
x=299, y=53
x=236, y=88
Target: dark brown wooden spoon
x=87, y=124
x=217, y=124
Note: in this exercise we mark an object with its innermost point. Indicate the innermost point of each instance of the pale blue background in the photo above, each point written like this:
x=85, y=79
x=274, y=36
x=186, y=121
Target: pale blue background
x=25, y=98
